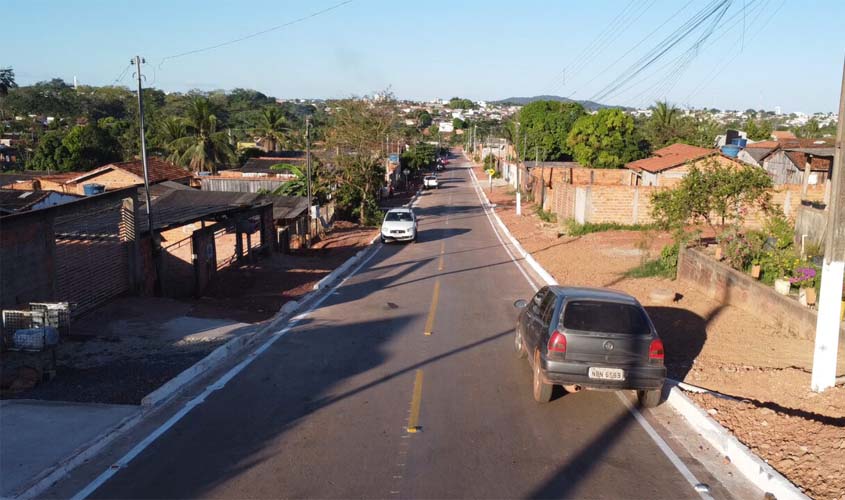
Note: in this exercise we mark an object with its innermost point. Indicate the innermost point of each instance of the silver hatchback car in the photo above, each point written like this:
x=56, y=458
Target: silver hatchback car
x=589, y=338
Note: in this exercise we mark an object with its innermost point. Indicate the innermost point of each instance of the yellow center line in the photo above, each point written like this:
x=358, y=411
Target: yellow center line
x=442, y=249
x=416, y=400
x=432, y=312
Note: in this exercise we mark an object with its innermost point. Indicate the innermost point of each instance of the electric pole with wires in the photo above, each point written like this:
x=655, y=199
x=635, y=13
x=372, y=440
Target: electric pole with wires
x=833, y=268
x=137, y=61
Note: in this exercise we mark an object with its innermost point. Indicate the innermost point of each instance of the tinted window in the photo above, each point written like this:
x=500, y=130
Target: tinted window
x=605, y=317
x=547, y=307
x=398, y=217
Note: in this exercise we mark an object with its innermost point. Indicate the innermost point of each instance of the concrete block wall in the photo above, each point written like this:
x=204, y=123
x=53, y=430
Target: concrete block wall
x=731, y=287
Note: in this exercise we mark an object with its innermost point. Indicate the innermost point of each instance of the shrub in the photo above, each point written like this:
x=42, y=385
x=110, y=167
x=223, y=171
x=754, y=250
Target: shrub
x=575, y=229
x=666, y=266
x=545, y=216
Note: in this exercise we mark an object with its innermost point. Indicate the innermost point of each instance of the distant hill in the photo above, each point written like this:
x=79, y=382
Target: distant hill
x=522, y=101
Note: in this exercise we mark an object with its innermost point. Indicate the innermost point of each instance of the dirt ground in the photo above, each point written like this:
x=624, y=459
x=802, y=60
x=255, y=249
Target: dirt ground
x=721, y=348
x=124, y=350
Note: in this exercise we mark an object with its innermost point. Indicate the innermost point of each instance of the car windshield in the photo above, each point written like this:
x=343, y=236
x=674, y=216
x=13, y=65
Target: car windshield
x=605, y=317
x=398, y=217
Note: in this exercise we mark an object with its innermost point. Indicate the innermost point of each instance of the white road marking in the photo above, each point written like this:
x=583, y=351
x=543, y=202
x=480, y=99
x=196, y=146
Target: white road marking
x=217, y=385
x=670, y=454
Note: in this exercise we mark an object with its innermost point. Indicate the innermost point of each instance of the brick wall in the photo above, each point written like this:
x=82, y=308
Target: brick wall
x=27, y=251
x=730, y=287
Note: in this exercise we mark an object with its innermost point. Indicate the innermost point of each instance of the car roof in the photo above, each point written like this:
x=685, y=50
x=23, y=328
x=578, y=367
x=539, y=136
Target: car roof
x=585, y=293
x=401, y=209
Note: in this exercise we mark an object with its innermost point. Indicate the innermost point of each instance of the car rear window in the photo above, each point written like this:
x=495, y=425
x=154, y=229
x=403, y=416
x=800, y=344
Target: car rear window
x=605, y=317
x=398, y=217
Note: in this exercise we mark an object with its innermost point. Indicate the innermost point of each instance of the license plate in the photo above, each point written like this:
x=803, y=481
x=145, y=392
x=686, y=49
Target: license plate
x=397, y=232
x=606, y=373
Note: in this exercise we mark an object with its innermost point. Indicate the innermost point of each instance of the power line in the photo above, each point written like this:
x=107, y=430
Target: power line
x=668, y=81
x=717, y=9
x=589, y=46
x=121, y=76
x=257, y=33
x=736, y=54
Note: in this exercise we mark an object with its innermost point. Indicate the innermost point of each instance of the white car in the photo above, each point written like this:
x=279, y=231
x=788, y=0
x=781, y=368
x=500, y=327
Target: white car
x=400, y=224
x=430, y=182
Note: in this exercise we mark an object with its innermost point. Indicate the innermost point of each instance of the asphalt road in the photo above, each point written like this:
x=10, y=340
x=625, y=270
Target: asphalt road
x=325, y=411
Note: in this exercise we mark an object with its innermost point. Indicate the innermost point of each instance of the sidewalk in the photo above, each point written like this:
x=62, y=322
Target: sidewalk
x=35, y=433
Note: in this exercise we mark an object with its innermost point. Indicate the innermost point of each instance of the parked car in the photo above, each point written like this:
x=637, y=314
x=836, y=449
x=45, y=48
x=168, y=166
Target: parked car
x=589, y=338
x=400, y=224
x=430, y=182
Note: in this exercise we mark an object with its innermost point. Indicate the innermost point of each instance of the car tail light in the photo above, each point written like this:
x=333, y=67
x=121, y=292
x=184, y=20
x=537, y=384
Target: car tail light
x=557, y=342
x=655, y=350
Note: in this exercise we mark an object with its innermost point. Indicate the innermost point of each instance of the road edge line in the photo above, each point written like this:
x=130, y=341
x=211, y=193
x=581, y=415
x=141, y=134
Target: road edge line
x=752, y=467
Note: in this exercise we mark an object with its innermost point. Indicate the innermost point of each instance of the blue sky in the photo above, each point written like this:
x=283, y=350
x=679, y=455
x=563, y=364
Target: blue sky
x=789, y=54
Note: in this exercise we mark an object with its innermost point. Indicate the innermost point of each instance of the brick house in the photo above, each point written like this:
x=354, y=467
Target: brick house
x=667, y=166
x=129, y=173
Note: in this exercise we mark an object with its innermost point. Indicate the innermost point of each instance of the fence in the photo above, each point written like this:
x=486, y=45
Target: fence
x=632, y=204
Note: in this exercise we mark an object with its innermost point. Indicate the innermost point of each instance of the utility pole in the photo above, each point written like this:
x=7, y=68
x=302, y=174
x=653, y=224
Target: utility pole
x=137, y=61
x=830, y=297
x=308, y=174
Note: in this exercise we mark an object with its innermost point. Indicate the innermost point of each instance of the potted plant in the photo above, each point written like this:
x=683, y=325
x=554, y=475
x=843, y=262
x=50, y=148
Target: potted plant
x=805, y=279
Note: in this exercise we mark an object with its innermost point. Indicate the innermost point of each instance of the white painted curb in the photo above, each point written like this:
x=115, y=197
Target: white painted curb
x=535, y=266
x=749, y=465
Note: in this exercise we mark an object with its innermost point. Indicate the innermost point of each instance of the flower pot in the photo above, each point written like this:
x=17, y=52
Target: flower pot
x=807, y=296
x=755, y=271
x=782, y=286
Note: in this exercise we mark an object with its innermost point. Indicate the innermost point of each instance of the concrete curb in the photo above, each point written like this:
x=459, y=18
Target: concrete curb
x=750, y=465
x=49, y=476
x=755, y=469
x=154, y=400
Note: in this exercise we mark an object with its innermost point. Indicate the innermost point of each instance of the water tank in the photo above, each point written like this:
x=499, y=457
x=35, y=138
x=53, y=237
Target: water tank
x=730, y=150
x=739, y=141
x=93, y=189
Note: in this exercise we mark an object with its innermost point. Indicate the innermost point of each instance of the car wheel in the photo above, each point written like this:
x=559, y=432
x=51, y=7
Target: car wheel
x=650, y=398
x=383, y=240
x=542, y=390
x=518, y=346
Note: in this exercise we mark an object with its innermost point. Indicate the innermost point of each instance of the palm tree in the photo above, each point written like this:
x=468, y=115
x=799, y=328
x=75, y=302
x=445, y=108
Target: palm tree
x=202, y=147
x=664, y=123
x=293, y=187
x=664, y=115
x=273, y=126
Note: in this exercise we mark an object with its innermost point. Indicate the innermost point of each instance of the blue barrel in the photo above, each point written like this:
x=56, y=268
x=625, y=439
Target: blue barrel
x=730, y=150
x=93, y=189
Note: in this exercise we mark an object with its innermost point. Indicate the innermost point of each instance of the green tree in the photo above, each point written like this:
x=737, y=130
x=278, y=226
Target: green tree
x=7, y=81
x=420, y=156
x=49, y=152
x=89, y=147
x=203, y=148
x=273, y=127
x=459, y=103
x=758, y=130
x=458, y=124
x=713, y=193
x=357, y=132
x=606, y=139
x=424, y=119
x=298, y=186
x=544, y=127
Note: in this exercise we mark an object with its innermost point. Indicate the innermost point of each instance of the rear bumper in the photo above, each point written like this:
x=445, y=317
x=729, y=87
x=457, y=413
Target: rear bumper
x=639, y=377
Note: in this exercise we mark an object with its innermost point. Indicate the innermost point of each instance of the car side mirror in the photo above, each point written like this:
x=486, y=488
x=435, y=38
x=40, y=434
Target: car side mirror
x=520, y=304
